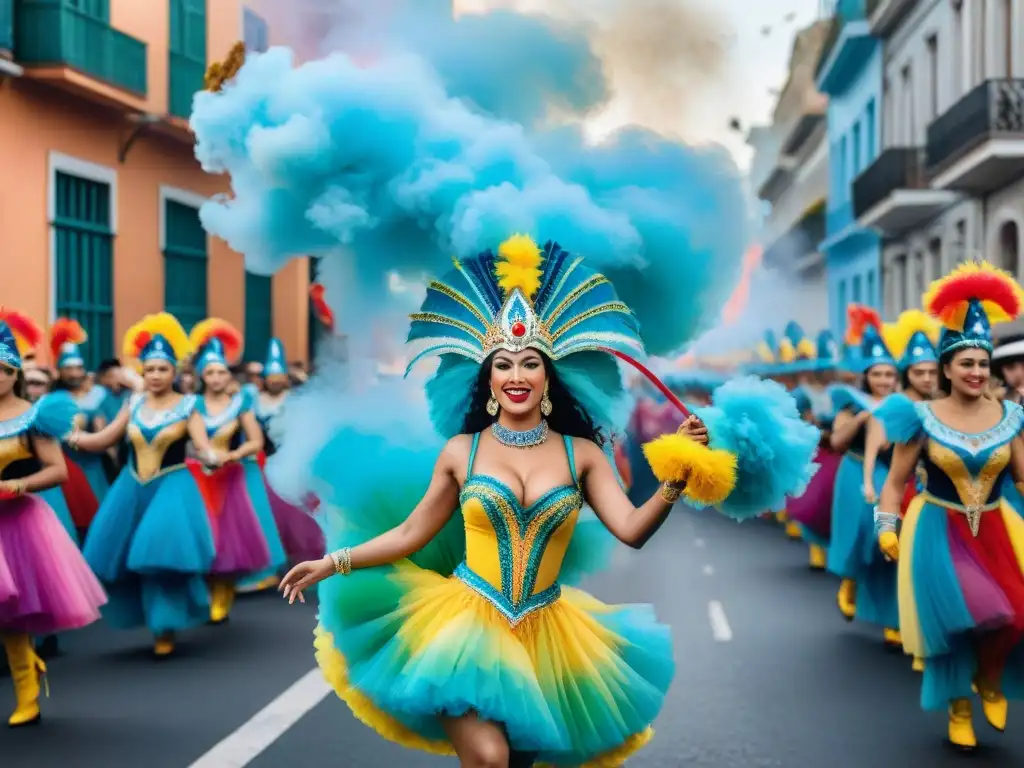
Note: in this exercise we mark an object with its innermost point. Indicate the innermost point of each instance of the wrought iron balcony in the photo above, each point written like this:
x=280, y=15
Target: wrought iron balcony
x=892, y=195
x=977, y=145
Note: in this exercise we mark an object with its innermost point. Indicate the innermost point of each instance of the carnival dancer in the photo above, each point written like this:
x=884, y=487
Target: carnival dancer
x=227, y=437
x=45, y=585
x=1008, y=366
x=961, y=547
x=868, y=587
x=151, y=543
x=800, y=368
x=300, y=533
x=778, y=354
x=813, y=510
x=491, y=656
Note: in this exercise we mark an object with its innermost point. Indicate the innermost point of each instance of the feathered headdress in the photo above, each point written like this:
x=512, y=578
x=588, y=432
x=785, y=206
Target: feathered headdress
x=523, y=297
x=864, y=333
x=65, y=336
x=19, y=335
x=215, y=341
x=157, y=337
x=827, y=351
x=969, y=301
x=767, y=347
x=912, y=338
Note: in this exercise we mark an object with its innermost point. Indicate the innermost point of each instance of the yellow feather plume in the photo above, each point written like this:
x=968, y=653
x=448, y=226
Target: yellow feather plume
x=519, y=261
x=897, y=335
x=710, y=475
x=806, y=349
x=787, y=353
x=765, y=353
x=165, y=325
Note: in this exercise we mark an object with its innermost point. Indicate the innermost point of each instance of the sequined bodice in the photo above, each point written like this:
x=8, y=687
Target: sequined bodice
x=224, y=428
x=158, y=438
x=513, y=552
x=16, y=457
x=965, y=469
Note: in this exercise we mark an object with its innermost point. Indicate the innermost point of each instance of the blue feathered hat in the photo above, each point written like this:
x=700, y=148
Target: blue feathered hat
x=523, y=297
x=157, y=337
x=212, y=353
x=827, y=357
x=804, y=349
x=18, y=335
x=968, y=301
x=276, y=363
x=865, y=333
x=766, y=354
x=919, y=350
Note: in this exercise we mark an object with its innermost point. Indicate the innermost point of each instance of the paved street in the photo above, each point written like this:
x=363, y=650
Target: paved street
x=768, y=675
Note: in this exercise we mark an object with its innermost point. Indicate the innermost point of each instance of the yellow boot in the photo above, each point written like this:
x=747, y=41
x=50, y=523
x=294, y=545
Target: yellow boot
x=847, y=599
x=782, y=517
x=961, y=725
x=26, y=671
x=918, y=665
x=818, y=558
x=892, y=637
x=222, y=597
x=994, y=705
x=163, y=646
x=793, y=530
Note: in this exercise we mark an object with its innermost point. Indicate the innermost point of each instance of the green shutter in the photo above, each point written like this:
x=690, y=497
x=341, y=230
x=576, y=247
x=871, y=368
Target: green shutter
x=187, y=54
x=84, y=268
x=97, y=9
x=185, y=263
x=259, y=315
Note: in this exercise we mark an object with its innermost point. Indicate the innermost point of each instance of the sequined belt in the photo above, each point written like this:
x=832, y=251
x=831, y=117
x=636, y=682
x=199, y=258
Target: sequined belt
x=972, y=512
x=513, y=612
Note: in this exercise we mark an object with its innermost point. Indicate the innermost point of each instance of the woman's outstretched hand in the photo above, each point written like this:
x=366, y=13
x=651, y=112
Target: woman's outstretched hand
x=303, y=576
x=694, y=429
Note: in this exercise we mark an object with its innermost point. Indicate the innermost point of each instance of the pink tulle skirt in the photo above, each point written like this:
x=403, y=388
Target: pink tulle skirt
x=301, y=535
x=45, y=584
x=241, y=546
x=813, y=510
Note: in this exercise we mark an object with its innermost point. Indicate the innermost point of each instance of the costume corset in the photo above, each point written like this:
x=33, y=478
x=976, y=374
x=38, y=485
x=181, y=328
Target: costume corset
x=965, y=469
x=17, y=460
x=158, y=438
x=224, y=429
x=514, y=553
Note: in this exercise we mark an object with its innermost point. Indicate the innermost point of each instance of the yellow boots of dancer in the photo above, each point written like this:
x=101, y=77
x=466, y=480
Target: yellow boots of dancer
x=818, y=558
x=163, y=646
x=961, y=725
x=893, y=639
x=993, y=704
x=26, y=671
x=793, y=530
x=846, y=599
x=222, y=598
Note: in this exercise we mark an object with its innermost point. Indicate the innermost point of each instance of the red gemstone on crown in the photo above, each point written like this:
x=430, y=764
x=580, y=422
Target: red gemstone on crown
x=518, y=329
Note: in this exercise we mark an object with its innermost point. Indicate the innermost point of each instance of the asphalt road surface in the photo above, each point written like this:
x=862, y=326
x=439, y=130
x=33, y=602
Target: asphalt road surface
x=768, y=675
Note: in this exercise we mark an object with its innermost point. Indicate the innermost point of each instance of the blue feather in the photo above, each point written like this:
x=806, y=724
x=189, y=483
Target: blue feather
x=55, y=414
x=846, y=397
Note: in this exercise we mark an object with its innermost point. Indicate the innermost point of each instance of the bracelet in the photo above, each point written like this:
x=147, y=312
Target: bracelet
x=670, y=493
x=885, y=522
x=342, y=559
x=74, y=437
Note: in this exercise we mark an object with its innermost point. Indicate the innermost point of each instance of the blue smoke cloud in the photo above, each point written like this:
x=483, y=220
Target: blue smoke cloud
x=384, y=163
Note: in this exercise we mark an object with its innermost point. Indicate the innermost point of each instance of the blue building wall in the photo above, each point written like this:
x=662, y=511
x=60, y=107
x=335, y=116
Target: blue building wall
x=853, y=81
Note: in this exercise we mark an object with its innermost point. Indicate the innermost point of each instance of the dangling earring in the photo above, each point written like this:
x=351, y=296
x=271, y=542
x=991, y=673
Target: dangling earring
x=545, y=403
x=492, y=406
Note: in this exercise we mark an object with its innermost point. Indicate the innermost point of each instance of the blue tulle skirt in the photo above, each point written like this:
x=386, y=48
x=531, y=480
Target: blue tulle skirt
x=54, y=497
x=92, y=467
x=853, y=551
x=257, y=490
x=151, y=545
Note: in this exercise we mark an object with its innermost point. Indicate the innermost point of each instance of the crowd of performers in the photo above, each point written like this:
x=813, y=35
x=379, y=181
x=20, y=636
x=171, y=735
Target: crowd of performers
x=136, y=496
x=915, y=507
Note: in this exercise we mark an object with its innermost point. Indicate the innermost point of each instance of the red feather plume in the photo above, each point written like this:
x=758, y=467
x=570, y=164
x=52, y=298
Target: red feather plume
x=947, y=298
x=26, y=332
x=320, y=307
x=215, y=328
x=65, y=331
x=858, y=318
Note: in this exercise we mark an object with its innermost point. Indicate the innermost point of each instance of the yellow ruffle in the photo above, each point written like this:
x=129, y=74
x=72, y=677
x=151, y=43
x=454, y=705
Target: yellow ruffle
x=709, y=474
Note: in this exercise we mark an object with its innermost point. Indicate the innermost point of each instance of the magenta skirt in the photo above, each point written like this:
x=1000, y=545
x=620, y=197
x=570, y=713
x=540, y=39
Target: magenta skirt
x=301, y=535
x=241, y=546
x=45, y=584
x=813, y=510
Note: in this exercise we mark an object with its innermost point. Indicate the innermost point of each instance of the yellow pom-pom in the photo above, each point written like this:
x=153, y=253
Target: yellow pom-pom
x=787, y=354
x=710, y=475
x=806, y=349
x=519, y=261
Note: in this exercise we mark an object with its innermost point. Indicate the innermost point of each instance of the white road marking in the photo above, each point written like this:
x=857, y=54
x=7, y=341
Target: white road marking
x=719, y=623
x=709, y=570
x=268, y=725
x=699, y=543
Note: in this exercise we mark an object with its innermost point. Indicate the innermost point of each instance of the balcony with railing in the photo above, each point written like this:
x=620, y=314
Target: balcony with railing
x=48, y=33
x=846, y=48
x=893, y=195
x=977, y=145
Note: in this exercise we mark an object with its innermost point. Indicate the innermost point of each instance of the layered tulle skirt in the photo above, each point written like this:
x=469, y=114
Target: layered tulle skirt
x=152, y=545
x=257, y=489
x=45, y=584
x=301, y=534
x=577, y=682
x=961, y=597
x=813, y=509
x=853, y=550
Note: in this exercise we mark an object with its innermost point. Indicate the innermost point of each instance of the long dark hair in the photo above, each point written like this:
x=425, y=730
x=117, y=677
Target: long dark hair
x=567, y=416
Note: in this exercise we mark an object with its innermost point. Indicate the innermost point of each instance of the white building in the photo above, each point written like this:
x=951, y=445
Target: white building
x=790, y=172
x=947, y=186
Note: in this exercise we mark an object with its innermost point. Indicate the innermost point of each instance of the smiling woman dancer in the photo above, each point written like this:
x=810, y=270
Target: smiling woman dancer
x=961, y=547
x=492, y=659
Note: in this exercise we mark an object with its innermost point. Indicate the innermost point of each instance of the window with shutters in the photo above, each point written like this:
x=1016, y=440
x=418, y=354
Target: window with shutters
x=84, y=268
x=187, y=54
x=259, y=315
x=254, y=30
x=185, y=263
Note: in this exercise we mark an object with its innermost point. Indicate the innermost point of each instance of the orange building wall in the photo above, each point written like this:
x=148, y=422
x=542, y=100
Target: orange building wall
x=39, y=119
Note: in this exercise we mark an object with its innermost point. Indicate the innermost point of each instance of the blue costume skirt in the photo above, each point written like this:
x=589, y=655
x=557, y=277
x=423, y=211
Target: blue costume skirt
x=853, y=551
x=261, y=504
x=91, y=465
x=151, y=545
